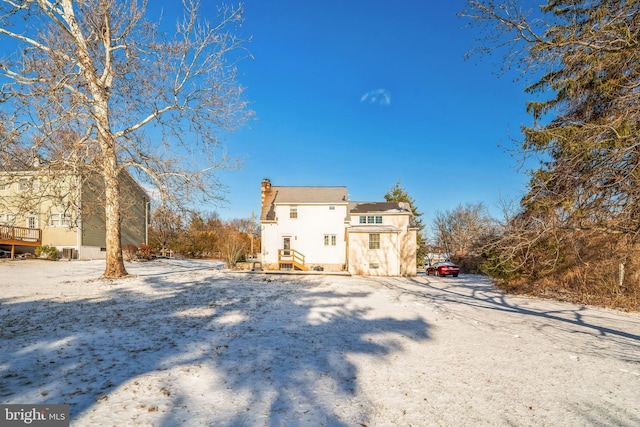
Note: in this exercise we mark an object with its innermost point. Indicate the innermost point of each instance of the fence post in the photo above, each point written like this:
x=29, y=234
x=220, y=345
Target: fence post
x=620, y=274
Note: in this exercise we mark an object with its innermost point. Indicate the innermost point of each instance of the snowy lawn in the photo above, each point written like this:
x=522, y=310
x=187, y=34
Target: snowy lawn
x=184, y=343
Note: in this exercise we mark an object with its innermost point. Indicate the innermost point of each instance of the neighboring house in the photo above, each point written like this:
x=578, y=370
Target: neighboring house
x=434, y=258
x=62, y=210
x=318, y=228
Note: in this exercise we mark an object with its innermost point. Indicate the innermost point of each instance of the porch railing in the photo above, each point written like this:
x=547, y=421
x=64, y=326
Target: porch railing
x=291, y=257
x=10, y=233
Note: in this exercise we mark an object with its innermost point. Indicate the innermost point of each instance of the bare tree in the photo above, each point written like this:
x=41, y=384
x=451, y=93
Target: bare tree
x=459, y=231
x=233, y=243
x=165, y=229
x=133, y=97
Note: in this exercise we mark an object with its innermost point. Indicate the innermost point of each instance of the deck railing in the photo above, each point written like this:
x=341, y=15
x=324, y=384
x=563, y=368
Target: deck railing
x=9, y=233
x=291, y=257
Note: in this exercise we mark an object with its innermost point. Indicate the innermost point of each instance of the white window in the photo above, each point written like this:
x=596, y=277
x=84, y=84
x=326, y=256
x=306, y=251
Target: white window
x=60, y=220
x=26, y=184
x=293, y=212
x=32, y=221
x=330, y=240
x=332, y=208
x=374, y=241
x=7, y=219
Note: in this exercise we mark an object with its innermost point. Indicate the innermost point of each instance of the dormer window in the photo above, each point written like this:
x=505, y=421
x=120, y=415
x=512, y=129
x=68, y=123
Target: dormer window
x=371, y=219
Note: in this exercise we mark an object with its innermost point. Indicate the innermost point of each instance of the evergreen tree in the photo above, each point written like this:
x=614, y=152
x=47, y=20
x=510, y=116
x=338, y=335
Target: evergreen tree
x=583, y=59
x=399, y=194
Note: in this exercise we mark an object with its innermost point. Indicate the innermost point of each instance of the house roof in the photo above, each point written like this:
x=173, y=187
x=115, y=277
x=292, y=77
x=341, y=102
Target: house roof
x=293, y=195
x=299, y=195
x=311, y=194
x=371, y=207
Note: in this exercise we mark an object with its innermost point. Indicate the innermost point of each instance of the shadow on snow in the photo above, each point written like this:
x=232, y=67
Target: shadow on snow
x=276, y=347
x=479, y=292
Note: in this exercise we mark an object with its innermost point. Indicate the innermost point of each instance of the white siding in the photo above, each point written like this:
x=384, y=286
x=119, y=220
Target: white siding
x=307, y=233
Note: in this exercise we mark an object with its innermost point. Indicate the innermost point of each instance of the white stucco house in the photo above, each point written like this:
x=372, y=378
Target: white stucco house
x=305, y=228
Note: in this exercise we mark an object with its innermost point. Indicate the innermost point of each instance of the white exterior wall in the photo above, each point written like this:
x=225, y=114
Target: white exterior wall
x=399, y=249
x=374, y=262
x=269, y=243
x=92, y=252
x=307, y=233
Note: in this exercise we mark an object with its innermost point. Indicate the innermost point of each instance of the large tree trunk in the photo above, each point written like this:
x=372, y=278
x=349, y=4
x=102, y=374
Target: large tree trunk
x=115, y=263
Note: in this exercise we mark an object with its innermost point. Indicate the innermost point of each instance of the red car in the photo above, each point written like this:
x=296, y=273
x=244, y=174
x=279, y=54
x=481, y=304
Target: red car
x=443, y=269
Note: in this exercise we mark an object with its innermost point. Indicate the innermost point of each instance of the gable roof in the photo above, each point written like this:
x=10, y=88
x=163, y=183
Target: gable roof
x=310, y=195
x=273, y=195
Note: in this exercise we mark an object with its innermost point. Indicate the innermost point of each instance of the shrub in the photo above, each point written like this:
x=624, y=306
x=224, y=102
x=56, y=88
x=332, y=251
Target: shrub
x=46, y=251
x=145, y=251
x=469, y=264
x=129, y=252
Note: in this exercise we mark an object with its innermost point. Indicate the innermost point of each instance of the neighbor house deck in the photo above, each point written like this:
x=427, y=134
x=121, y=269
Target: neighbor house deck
x=19, y=236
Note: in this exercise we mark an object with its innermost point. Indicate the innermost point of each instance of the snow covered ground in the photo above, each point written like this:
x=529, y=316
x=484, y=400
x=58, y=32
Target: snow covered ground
x=182, y=342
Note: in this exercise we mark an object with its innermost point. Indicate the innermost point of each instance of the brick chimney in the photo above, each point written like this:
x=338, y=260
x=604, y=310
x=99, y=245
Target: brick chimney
x=266, y=188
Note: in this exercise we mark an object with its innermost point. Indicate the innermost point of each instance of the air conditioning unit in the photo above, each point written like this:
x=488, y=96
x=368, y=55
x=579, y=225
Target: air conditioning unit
x=68, y=253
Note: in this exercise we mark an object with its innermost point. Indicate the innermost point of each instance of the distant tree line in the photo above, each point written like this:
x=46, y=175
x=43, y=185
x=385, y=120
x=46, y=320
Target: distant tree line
x=201, y=235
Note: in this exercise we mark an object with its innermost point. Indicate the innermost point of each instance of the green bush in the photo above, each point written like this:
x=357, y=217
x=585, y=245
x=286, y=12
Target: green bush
x=46, y=251
x=498, y=268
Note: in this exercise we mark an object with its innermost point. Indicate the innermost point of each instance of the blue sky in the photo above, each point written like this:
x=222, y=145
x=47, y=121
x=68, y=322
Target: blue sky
x=365, y=93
